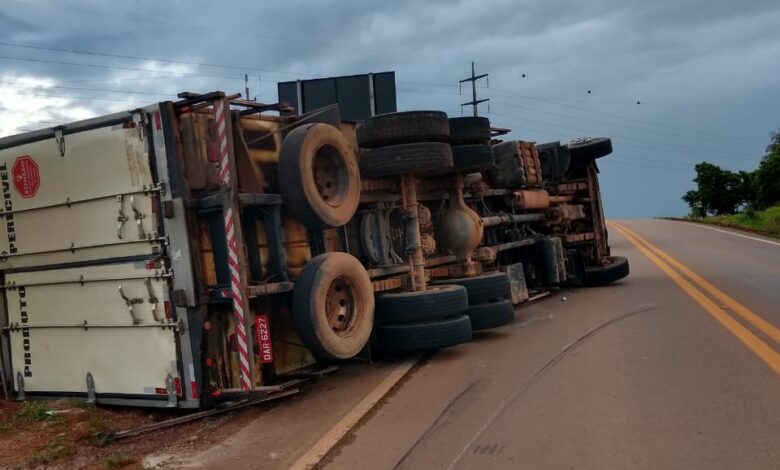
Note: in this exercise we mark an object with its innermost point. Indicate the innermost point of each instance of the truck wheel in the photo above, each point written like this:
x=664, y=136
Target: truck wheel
x=420, y=306
x=403, y=128
x=469, y=130
x=425, y=336
x=469, y=158
x=424, y=158
x=482, y=289
x=616, y=269
x=333, y=306
x=491, y=315
x=589, y=148
x=318, y=176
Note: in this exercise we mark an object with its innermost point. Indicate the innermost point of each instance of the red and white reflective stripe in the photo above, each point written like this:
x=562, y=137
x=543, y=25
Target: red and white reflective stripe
x=224, y=172
x=232, y=245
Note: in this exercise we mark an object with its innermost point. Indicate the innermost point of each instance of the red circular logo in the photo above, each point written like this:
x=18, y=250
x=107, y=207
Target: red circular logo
x=27, y=177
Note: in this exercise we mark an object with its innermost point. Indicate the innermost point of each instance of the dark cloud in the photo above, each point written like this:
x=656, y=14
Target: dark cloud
x=704, y=71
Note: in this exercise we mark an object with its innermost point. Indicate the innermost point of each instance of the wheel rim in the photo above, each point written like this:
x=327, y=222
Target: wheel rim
x=341, y=306
x=331, y=176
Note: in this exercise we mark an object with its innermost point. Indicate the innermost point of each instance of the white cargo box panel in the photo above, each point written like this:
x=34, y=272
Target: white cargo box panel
x=82, y=196
x=111, y=321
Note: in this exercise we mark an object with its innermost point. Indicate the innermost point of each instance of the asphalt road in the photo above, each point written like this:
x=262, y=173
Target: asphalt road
x=672, y=374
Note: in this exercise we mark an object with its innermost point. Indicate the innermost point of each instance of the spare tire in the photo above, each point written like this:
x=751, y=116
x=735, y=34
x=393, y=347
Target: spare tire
x=403, y=128
x=589, y=148
x=436, y=303
x=319, y=176
x=470, y=130
x=484, y=288
x=333, y=306
x=425, y=158
x=469, y=158
x=616, y=269
x=425, y=336
x=509, y=170
x=491, y=315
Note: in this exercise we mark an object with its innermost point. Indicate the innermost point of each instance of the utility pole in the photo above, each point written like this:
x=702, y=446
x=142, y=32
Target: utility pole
x=246, y=86
x=473, y=79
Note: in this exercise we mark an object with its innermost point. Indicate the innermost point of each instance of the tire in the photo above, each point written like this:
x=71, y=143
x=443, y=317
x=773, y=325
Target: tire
x=433, y=304
x=319, y=176
x=403, y=128
x=589, y=149
x=425, y=336
x=602, y=275
x=333, y=306
x=483, y=289
x=491, y=315
x=470, y=158
x=469, y=131
x=509, y=170
x=425, y=158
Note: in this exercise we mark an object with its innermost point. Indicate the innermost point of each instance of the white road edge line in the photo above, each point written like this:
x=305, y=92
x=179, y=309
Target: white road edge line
x=738, y=234
x=327, y=442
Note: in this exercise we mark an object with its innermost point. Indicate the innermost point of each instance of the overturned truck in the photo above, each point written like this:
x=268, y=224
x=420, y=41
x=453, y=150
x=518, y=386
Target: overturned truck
x=187, y=251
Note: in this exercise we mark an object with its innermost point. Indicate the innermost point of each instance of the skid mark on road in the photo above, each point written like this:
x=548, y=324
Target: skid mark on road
x=753, y=342
x=518, y=392
x=453, y=408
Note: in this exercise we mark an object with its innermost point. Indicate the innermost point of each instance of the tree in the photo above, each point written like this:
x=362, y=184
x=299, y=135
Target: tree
x=767, y=176
x=718, y=191
x=693, y=200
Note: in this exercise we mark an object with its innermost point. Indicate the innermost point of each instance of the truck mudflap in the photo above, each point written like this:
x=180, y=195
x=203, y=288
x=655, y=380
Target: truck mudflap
x=92, y=330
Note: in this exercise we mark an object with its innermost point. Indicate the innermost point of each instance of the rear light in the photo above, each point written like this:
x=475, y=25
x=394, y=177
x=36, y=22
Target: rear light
x=168, y=310
x=177, y=385
x=157, y=120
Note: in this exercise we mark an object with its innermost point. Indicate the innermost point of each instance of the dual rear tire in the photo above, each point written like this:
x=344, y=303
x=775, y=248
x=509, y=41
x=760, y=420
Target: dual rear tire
x=422, y=320
x=489, y=304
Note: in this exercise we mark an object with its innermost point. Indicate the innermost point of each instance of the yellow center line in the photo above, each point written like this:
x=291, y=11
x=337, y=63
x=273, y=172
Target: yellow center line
x=753, y=342
x=752, y=318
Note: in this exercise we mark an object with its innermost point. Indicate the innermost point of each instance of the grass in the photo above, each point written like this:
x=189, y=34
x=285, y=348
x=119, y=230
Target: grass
x=56, y=449
x=29, y=412
x=766, y=222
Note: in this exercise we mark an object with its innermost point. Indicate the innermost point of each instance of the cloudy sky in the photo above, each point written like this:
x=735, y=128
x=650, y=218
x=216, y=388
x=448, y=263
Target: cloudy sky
x=704, y=72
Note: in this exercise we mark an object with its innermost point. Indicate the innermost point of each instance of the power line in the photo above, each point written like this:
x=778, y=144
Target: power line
x=83, y=98
x=242, y=68
x=195, y=29
x=598, y=121
x=118, y=67
x=608, y=114
x=644, y=165
x=155, y=59
x=686, y=148
x=106, y=90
